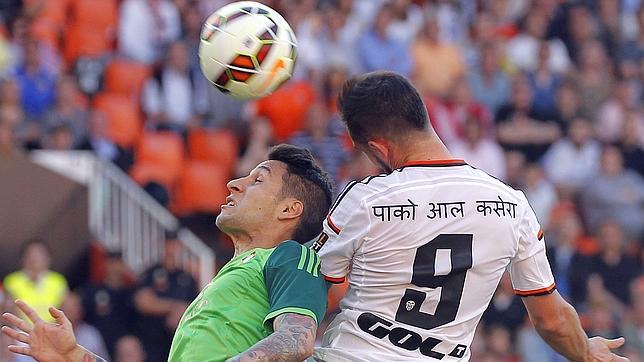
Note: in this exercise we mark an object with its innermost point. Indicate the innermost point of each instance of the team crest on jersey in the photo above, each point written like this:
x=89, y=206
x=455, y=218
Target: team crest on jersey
x=410, y=305
x=248, y=258
x=320, y=242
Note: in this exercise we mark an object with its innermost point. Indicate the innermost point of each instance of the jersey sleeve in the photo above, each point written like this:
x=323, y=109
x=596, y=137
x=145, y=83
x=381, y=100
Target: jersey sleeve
x=343, y=231
x=530, y=269
x=294, y=283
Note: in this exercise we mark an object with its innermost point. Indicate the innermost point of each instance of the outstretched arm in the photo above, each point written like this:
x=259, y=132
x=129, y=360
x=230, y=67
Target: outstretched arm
x=558, y=324
x=293, y=340
x=46, y=342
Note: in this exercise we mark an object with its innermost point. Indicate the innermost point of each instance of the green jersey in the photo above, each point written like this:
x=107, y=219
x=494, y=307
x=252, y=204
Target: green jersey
x=236, y=309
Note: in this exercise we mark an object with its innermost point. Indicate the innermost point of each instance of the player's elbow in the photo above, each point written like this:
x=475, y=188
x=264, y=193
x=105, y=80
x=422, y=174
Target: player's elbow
x=554, y=323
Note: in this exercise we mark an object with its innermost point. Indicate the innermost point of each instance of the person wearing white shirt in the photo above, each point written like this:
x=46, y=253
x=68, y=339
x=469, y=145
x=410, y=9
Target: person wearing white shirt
x=479, y=151
x=146, y=27
x=572, y=161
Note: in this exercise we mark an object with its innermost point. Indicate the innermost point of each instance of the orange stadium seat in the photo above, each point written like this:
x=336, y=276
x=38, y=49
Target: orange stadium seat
x=201, y=188
x=124, y=121
x=83, y=40
x=100, y=14
x=219, y=146
x=126, y=77
x=158, y=157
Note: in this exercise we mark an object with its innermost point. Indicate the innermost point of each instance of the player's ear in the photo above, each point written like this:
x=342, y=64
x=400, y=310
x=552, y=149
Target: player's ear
x=290, y=208
x=379, y=147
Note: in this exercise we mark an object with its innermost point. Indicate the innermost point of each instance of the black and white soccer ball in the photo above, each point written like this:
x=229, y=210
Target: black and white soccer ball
x=247, y=50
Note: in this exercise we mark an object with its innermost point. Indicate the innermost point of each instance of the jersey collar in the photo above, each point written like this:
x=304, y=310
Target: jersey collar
x=445, y=162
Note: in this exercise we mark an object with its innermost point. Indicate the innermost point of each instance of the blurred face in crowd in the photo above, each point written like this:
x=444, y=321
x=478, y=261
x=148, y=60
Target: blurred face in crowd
x=543, y=54
x=580, y=23
x=499, y=341
x=32, y=55
x=521, y=93
x=254, y=200
x=633, y=123
x=172, y=254
x=489, y=59
x=129, y=349
x=9, y=92
x=317, y=121
x=601, y=320
x=178, y=57
x=611, y=237
x=383, y=19
x=431, y=29
x=67, y=90
x=569, y=230
x=533, y=175
x=593, y=56
x=612, y=162
x=73, y=308
x=7, y=137
x=567, y=100
x=535, y=24
x=473, y=130
x=61, y=139
x=35, y=258
x=580, y=131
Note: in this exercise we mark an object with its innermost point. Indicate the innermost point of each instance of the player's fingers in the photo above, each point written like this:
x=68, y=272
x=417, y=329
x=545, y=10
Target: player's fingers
x=58, y=315
x=24, y=350
x=17, y=335
x=28, y=311
x=615, y=343
x=16, y=322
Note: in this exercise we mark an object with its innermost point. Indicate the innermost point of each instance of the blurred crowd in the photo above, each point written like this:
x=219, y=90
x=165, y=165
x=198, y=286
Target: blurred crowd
x=545, y=95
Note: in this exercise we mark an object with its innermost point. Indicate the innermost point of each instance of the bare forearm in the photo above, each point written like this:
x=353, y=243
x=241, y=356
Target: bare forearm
x=292, y=340
x=566, y=336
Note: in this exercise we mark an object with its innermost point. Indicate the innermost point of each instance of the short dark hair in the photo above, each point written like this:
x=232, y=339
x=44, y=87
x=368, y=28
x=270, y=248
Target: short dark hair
x=381, y=104
x=307, y=182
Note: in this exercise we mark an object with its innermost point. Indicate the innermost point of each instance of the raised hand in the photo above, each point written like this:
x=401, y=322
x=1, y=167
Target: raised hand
x=45, y=342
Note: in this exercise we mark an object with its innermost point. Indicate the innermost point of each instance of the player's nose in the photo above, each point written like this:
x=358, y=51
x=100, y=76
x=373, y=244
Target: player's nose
x=235, y=186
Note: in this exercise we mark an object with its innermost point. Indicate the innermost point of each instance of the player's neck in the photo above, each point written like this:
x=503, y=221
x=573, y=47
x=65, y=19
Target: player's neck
x=244, y=242
x=422, y=149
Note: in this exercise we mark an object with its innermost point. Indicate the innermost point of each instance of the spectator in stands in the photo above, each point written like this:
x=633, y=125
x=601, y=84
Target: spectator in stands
x=37, y=84
x=478, y=150
x=321, y=136
x=338, y=40
x=505, y=309
x=572, y=161
x=108, y=305
x=259, y=143
x=8, y=143
x=615, y=193
x=499, y=344
x=524, y=49
x=594, y=81
x=602, y=320
x=86, y=334
x=520, y=127
x=632, y=146
x=544, y=83
x=612, y=114
x=568, y=104
x=10, y=100
x=634, y=322
x=170, y=98
x=59, y=138
x=613, y=265
x=580, y=28
x=98, y=141
x=540, y=192
x=146, y=27
x=438, y=65
x=129, y=349
x=70, y=110
x=163, y=295
x=407, y=21
x=35, y=283
x=377, y=50
x=490, y=86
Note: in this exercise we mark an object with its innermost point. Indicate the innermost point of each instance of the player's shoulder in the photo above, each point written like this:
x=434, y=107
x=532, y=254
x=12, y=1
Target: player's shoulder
x=289, y=251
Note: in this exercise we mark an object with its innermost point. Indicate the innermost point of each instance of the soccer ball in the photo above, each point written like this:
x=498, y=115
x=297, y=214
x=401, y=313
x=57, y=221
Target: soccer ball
x=247, y=50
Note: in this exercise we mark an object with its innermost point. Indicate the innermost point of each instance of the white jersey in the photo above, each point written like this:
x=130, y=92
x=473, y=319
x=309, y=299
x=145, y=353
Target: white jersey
x=424, y=249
